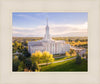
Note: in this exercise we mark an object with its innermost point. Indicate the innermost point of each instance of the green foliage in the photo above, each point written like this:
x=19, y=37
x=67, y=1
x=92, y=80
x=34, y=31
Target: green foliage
x=21, y=57
x=48, y=57
x=35, y=67
x=86, y=54
x=15, y=63
x=36, y=57
x=21, y=66
x=40, y=57
x=28, y=63
x=78, y=59
x=25, y=43
x=72, y=52
x=15, y=58
x=26, y=53
x=17, y=47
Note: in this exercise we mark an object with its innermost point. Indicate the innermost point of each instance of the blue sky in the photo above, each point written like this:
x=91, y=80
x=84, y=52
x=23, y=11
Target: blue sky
x=26, y=22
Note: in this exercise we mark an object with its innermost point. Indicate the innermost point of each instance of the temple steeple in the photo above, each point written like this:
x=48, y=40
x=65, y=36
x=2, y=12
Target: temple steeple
x=47, y=28
x=47, y=35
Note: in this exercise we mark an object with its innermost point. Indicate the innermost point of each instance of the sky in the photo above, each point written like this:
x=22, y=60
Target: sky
x=61, y=24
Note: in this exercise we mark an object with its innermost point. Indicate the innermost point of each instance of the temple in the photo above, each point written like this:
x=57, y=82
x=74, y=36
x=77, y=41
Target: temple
x=48, y=44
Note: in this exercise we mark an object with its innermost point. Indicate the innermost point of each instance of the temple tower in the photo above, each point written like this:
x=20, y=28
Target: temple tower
x=47, y=34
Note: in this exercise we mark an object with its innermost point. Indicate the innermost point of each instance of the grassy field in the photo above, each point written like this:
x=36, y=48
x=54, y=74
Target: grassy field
x=69, y=65
x=63, y=58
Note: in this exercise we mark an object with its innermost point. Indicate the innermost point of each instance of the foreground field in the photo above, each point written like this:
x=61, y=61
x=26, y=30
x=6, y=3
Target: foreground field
x=69, y=65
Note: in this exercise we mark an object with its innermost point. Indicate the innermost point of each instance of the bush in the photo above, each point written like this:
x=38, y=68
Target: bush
x=78, y=59
x=35, y=67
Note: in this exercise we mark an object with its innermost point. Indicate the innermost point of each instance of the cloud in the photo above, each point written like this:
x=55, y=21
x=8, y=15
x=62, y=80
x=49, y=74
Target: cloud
x=55, y=30
x=26, y=16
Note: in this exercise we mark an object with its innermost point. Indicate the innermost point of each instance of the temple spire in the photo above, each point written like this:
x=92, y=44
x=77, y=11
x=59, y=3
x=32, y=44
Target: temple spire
x=47, y=20
x=47, y=35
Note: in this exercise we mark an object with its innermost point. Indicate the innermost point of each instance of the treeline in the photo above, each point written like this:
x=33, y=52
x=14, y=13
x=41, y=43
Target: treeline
x=82, y=44
x=69, y=39
x=23, y=39
x=21, y=47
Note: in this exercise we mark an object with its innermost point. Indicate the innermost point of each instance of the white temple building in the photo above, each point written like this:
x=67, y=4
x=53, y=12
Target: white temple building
x=48, y=44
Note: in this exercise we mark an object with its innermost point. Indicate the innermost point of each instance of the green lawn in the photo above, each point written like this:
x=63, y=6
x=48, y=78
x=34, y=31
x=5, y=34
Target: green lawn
x=63, y=58
x=58, y=55
x=69, y=65
x=58, y=59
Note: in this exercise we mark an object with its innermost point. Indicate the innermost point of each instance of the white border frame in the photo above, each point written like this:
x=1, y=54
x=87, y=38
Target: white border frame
x=9, y=77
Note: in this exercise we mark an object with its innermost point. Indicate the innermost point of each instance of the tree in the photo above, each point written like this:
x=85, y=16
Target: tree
x=25, y=43
x=35, y=67
x=72, y=52
x=21, y=66
x=78, y=59
x=26, y=54
x=15, y=63
x=16, y=43
x=39, y=56
x=36, y=57
x=67, y=54
x=86, y=54
x=21, y=57
x=48, y=57
x=28, y=63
